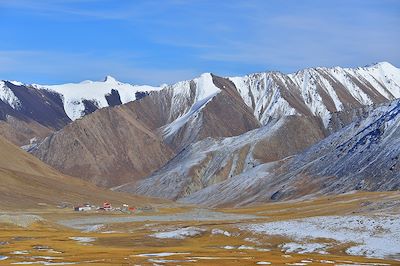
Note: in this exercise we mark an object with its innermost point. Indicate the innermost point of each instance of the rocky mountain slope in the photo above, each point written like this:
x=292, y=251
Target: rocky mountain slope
x=211, y=161
x=362, y=156
x=108, y=147
x=27, y=183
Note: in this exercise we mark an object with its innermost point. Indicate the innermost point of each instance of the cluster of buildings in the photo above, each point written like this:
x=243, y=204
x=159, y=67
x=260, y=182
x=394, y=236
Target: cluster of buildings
x=106, y=207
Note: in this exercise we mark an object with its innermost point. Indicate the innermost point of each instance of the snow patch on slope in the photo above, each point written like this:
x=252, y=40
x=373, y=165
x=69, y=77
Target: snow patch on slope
x=262, y=94
x=7, y=96
x=181, y=233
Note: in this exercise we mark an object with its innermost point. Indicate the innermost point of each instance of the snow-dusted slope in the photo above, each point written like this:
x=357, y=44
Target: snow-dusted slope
x=204, y=91
x=207, y=106
x=210, y=161
x=362, y=156
x=97, y=92
x=318, y=91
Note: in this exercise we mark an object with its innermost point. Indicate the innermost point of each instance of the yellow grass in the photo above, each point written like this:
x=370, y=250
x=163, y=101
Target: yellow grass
x=123, y=248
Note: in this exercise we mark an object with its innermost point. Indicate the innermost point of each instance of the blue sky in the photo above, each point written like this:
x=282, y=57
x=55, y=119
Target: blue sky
x=161, y=41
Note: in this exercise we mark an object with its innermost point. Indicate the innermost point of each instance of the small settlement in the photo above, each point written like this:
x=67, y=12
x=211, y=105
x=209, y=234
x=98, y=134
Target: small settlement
x=108, y=207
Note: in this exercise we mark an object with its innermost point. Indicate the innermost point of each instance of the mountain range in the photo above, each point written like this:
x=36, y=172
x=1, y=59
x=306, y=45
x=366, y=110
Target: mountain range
x=217, y=140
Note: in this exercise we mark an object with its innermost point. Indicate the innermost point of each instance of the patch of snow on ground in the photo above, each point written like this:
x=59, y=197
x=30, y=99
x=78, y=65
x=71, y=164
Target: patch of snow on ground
x=161, y=254
x=303, y=248
x=181, y=233
x=83, y=240
x=111, y=232
x=20, y=252
x=217, y=231
x=46, y=257
x=263, y=263
x=375, y=237
x=244, y=247
x=169, y=261
x=3, y=257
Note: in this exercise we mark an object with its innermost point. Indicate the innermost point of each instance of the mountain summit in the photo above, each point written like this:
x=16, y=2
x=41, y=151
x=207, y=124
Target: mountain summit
x=110, y=79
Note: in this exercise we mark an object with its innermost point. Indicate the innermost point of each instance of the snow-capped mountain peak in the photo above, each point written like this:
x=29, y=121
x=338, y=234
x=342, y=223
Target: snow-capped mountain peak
x=109, y=92
x=110, y=79
x=382, y=64
x=204, y=92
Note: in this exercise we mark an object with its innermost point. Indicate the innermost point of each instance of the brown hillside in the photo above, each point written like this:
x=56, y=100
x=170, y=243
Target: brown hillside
x=27, y=183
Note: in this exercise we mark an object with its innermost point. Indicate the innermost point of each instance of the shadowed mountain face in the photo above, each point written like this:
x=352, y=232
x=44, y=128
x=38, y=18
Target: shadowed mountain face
x=35, y=111
x=177, y=140
x=44, y=107
x=26, y=112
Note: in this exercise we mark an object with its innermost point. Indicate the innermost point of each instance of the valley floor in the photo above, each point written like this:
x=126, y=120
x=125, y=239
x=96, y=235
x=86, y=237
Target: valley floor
x=350, y=229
